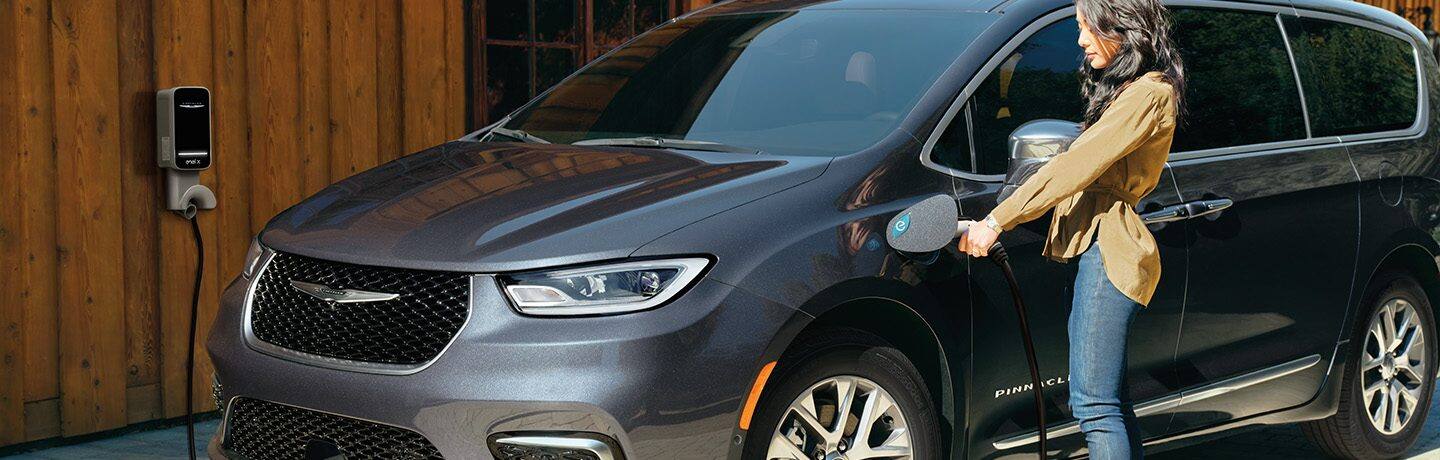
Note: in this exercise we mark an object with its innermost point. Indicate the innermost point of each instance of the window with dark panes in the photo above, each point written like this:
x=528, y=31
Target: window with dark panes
x=1356, y=79
x=1240, y=87
x=523, y=47
x=953, y=149
x=618, y=20
x=1040, y=79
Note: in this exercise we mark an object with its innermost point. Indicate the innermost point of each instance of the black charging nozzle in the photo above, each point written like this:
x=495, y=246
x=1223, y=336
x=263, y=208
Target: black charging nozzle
x=932, y=224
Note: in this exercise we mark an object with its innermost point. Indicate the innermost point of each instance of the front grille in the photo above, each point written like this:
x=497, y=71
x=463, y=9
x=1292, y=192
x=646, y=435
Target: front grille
x=411, y=329
x=265, y=430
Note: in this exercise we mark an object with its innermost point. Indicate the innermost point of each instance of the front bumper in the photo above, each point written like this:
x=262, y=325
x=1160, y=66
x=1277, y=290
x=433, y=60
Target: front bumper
x=664, y=383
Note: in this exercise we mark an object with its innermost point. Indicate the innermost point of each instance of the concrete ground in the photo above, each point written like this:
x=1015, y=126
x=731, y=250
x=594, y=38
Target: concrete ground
x=1278, y=442
x=1287, y=442
x=167, y=443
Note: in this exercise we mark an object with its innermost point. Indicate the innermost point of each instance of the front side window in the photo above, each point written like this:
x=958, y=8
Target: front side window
x=1039, y=79
x=1357, y=79
x=800, y=82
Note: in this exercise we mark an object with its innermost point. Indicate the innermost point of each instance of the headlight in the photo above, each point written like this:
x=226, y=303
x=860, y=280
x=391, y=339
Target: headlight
x=612, y=288
x=253, y=256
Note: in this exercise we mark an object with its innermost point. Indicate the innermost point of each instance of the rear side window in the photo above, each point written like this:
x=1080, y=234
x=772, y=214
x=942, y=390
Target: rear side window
x=1040, y=79
x=1357, y=79
x=1240, y=87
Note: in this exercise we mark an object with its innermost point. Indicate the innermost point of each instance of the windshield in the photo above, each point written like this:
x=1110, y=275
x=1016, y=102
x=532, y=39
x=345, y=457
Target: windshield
x=800, y=82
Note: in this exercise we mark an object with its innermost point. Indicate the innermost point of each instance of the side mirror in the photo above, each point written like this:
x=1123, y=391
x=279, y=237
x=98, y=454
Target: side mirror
x=1031, y=145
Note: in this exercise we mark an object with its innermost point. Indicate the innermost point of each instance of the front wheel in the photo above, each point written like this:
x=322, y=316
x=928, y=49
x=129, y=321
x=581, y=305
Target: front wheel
x=1388, y=380
x=844, y=394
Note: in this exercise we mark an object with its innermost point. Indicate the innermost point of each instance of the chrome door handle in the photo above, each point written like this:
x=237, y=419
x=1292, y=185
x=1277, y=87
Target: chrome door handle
x=1207, y=207
x=1170, y=213
x=1186, y=210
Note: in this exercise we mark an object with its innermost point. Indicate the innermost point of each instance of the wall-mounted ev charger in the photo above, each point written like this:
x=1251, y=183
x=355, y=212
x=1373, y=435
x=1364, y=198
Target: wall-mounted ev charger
x=183, y=147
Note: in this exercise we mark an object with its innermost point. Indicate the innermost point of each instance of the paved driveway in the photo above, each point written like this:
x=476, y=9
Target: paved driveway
x=154, y=444
x=1278, y=442
x=1287, y=442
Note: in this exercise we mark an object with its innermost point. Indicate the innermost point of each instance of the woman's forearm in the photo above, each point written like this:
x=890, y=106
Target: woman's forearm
x=1129, y=121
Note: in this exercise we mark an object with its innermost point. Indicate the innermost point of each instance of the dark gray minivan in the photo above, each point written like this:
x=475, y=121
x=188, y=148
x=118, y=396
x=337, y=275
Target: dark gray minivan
x=679, y=250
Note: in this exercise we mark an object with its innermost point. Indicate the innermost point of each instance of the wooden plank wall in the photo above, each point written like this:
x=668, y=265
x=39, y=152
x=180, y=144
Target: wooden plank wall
x=1412, y=10
x=305, y=93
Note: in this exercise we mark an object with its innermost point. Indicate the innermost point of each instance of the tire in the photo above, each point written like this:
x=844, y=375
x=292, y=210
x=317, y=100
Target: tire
x=820, y=366
x=1350, y=433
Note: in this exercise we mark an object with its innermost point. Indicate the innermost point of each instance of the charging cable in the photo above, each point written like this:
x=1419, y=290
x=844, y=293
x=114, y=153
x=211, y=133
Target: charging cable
x=190, y=215
x=931, y=225
x=998, y=255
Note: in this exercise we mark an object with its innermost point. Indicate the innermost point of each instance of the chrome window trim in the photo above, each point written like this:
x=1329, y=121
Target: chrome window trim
x=1295, y=71
x=337, y=363
x=1232, y=6
x=970, y=134
x=1267, y=147
x=1422, y=115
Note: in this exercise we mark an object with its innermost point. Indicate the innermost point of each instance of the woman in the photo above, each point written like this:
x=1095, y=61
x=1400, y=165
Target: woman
x=1134, y=82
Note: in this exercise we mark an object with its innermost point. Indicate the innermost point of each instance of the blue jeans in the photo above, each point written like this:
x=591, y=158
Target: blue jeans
x=1100, y=318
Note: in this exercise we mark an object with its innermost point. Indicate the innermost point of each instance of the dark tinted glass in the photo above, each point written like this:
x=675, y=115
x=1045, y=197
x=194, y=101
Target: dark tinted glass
x=554, y=21
x=650, y=13
x=1356, y=79
x=953, y=148
x=507, y=78
x=612, y=22
x=1039, y=79
x=507, y=20
x=192, y=120
x=806, y=82
x=552, y=65
x=1240, y=85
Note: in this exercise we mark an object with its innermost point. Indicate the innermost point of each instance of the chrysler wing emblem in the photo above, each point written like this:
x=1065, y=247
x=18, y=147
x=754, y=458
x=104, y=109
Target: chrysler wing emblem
x=330, y=294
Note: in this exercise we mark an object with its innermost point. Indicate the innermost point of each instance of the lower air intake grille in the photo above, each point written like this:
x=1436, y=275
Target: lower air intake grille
x=264, y=430
x=408, y=330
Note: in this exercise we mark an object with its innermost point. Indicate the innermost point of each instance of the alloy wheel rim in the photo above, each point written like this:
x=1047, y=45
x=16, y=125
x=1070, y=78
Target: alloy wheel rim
x=843, y=417
x=1393, y=366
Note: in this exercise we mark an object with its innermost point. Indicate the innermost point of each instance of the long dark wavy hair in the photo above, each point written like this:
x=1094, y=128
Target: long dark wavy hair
x=1142, y=28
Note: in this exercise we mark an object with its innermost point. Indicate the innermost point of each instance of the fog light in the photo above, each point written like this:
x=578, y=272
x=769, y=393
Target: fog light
x=557, y=446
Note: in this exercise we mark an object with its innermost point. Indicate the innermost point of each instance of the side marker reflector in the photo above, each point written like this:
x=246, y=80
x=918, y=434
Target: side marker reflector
x=754, y=397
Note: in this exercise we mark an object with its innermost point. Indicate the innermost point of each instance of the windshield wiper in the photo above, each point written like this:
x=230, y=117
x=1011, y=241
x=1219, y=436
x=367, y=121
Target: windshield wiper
x=659, y=142
x=518, y=135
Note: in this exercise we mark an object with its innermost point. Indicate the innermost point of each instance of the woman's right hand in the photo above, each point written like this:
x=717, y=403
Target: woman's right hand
x=977, y=239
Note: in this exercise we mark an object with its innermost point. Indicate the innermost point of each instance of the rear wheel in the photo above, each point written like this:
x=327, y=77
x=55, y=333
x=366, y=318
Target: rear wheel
x=1389, y=378
x=844, y=394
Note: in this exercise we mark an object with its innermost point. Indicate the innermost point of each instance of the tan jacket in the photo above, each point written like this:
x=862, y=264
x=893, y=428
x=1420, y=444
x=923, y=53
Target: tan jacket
x=1098, y=180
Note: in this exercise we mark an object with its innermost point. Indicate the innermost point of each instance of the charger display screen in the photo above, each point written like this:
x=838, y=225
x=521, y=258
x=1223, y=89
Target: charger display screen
x=192, y=128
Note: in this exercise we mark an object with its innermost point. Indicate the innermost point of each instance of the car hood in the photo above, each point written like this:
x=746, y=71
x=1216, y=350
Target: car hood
x=492, y=206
